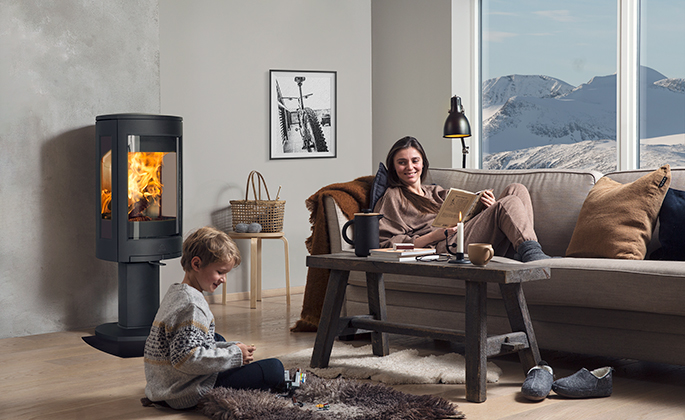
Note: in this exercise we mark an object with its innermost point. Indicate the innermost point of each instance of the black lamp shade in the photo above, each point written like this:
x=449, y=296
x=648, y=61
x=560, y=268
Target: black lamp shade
x=456, y=124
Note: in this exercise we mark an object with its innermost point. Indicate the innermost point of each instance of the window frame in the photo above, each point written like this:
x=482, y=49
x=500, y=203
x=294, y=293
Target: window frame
x=467, y=30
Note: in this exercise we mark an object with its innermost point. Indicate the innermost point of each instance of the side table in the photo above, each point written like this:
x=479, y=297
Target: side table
x=256, y=264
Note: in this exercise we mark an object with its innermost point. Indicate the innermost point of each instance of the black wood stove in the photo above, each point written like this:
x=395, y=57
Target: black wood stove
x=138, y=221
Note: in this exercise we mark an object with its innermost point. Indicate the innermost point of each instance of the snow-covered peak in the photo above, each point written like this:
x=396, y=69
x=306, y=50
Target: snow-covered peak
x=497, y=91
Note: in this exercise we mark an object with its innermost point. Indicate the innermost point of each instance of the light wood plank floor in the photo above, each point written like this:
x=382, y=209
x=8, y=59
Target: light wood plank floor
x=58, y=376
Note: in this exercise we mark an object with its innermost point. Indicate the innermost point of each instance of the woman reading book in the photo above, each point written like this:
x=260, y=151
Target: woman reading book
x=409, y=208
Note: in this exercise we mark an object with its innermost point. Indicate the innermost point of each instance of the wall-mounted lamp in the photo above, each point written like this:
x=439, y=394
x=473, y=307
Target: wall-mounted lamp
x=457, y=126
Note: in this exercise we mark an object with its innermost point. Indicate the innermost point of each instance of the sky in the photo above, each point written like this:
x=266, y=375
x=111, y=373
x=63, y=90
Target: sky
x=575, y=40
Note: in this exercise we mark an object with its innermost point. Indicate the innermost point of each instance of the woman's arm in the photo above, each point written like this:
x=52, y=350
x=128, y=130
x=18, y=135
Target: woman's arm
x=434, y=237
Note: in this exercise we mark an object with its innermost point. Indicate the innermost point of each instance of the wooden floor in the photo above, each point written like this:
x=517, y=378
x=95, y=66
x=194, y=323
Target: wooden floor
x=58, y=376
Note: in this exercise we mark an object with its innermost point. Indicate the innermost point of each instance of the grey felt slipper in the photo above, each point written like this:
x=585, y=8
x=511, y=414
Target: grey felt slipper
x=585, y=384
x=538, y=382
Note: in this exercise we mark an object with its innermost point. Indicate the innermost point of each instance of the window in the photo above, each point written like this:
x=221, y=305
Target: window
x=549, y=84
x=662, y=83
x=549, y=71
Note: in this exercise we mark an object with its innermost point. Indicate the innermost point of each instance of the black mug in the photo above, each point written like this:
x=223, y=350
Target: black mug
x=365, y=233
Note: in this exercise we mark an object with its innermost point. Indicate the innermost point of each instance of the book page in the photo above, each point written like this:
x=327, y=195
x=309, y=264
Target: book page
x=455, y=202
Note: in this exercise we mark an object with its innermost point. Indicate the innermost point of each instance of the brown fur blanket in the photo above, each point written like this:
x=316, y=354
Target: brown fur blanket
x=352, y=197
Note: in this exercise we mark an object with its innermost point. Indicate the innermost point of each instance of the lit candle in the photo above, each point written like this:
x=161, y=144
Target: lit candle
x=460, y=235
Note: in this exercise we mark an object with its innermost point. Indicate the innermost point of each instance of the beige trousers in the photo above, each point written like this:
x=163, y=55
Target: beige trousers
x=505, y=224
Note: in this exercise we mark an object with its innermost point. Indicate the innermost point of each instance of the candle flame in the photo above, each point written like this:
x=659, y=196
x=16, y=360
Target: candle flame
x=459, y=217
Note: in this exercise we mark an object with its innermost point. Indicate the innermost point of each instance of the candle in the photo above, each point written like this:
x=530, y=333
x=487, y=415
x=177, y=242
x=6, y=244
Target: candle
x=460, y=235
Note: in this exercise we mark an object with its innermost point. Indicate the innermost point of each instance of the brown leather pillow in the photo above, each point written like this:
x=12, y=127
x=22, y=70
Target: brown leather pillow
x=617, y=220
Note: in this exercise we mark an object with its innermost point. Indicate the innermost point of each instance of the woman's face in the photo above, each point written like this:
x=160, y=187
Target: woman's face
x=409, y=166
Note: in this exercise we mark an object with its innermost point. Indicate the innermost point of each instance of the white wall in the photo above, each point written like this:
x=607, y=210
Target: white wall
x=411, y=76
x=215, y=61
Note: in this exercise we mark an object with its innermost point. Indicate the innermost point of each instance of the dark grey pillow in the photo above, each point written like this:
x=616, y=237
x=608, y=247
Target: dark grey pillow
x=380, y=184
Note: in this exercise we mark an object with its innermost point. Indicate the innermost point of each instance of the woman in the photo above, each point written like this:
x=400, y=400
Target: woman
x=409, y=208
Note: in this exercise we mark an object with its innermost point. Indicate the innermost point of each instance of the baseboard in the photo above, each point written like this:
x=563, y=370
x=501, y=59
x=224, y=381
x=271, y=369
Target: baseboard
x=234, y=297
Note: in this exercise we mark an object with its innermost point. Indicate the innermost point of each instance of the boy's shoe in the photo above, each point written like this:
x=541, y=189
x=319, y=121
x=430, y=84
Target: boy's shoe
x=585, y=384
x=538, y=382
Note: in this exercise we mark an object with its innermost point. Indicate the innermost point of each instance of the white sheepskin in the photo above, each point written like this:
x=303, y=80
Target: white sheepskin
x=399, y=367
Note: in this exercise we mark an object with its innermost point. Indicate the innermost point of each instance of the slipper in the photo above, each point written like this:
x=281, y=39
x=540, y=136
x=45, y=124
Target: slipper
x=585, y=384
x=538, y=382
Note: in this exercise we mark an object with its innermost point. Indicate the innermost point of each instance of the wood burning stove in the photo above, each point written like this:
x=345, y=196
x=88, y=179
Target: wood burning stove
x=138, y=219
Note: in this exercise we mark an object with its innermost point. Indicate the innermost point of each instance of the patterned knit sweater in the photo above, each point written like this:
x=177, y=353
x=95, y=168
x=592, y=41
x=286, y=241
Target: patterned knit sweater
x=182, y=359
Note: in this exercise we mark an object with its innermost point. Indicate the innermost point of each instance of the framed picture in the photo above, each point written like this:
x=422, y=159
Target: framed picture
x=302, y=114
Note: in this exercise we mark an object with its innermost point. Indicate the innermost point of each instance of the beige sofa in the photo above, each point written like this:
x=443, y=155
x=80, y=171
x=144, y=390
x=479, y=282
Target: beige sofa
x=607, y=307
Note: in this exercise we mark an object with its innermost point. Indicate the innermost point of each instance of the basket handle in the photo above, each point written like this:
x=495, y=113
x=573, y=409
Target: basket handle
x=258, y=188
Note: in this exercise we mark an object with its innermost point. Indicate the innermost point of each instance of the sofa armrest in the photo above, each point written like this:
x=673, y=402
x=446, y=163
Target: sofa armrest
x=335, y=220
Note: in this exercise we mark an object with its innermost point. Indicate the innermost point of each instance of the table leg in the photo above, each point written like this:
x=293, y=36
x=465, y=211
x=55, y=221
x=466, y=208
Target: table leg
x=259, y=269
x=519, y=319
x=476, y=341
x=330, y=317
x=287, y=270
x=253, y=273
x=375, y=288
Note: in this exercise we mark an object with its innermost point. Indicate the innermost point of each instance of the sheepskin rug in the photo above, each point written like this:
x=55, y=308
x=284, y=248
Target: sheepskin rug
x=345, y=400
x=399, y=367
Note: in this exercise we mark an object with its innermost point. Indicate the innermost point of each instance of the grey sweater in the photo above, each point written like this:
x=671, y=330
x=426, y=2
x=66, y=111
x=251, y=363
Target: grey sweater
x=182, y=359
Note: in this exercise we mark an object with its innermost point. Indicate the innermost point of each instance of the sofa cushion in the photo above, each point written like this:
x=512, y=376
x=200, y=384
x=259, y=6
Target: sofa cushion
x=380, y=184
x=617, y=220
x=672, y=227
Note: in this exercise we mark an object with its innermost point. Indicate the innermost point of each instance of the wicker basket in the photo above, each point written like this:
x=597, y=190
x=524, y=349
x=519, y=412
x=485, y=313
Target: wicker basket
x=268, y=213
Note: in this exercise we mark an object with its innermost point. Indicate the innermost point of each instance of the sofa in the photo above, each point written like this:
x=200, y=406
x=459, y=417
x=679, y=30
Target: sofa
x=613, y=307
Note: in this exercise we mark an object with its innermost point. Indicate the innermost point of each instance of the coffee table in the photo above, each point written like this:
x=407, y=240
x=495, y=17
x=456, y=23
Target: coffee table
x=477, y=345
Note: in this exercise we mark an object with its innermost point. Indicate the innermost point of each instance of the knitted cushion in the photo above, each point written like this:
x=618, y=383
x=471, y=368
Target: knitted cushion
x=617, y=220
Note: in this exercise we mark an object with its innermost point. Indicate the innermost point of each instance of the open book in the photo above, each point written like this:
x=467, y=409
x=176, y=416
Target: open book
x=466, y=202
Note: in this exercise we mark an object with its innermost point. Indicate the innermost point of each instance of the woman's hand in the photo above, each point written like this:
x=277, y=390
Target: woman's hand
x=488, y=198
x=247, y=352
x=435, y=236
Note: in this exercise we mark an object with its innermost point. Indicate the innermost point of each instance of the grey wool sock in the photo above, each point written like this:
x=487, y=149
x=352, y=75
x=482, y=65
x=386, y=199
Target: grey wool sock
x=531, y=251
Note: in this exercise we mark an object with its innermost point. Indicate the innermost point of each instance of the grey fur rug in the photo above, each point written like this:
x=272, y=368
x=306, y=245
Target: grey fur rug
x=346, y=399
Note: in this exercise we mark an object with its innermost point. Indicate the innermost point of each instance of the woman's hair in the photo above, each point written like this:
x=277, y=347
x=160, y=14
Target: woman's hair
x=423, y=204
x=211, y=245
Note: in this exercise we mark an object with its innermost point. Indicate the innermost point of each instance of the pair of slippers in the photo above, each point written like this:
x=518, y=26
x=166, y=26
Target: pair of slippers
x=582, y=384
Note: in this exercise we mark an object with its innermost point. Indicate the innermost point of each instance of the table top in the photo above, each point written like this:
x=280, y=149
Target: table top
x=494, y=272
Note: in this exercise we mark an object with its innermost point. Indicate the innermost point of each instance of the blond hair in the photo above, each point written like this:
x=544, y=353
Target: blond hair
x=210, y=245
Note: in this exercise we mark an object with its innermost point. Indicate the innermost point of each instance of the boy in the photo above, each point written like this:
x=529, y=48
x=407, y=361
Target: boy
x=184, y=358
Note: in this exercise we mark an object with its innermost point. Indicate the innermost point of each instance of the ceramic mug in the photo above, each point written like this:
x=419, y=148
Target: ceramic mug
x=480, y=254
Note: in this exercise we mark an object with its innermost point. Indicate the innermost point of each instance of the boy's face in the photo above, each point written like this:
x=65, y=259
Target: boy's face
x=212, y=275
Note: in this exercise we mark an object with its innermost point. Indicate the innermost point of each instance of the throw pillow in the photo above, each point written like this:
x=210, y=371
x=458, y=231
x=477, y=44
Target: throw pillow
x=672, y=227
x=380, y=184
x=617, y=220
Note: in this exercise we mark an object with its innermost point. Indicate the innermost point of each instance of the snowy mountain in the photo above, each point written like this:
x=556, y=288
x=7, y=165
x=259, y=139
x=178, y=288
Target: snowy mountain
x=541, y=113
x=598, y=155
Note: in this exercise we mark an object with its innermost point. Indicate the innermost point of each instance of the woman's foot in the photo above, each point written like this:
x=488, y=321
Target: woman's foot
x=530, y=251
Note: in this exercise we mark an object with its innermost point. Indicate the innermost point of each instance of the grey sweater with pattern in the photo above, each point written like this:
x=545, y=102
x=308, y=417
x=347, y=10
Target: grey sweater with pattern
x=182, y=359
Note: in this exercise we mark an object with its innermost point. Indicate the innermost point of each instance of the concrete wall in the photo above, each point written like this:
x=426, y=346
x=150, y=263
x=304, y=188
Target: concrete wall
x=62, y=63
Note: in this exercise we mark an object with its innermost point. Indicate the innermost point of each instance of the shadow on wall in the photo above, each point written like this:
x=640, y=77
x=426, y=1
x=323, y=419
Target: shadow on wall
x=81, y=287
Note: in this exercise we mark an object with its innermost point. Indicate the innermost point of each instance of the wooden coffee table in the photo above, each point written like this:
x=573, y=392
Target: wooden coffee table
x=478, y=346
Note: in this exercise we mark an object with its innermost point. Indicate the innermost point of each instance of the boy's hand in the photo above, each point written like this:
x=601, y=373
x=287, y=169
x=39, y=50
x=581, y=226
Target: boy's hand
x=247, y=352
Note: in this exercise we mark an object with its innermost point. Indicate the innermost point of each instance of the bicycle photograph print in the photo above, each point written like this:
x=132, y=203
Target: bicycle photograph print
x=302, y=114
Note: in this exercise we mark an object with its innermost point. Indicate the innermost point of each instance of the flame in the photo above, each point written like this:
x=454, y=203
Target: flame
x=144, y=185
x=106, y=185
x=459, y=217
